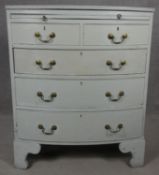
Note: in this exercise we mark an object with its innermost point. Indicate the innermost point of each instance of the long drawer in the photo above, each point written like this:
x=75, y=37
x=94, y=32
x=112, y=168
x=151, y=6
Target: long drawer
x=78, y=62
x=79, y=127
x=116, y=34
x=75, y=94
x=52, y=33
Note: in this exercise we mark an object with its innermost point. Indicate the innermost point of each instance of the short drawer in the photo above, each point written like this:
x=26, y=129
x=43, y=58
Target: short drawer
x=114, y=34
x=75, y=94
x=78, y=62
x=53, y=33
x=79, y=127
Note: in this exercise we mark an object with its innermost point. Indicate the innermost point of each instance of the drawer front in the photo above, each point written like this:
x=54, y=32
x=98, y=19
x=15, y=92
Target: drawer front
x=79, y=127
x=111, y=34
x=69, y=62
x=53, y=34
x=76, y=94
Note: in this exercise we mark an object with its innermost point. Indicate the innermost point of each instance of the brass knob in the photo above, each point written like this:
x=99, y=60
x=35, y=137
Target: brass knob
x=121, y=93
x=38, y=62
x=108, y=94
x=54, y=127
x=124, y=36
x=122, y=63
x=109, y=63
x=107, y=127
x=120, y=126
x=39, y=94
x=52, y=35
x=40, y=126
x=53, y=95
x=110, y=36
x=37, y=35
x=53, y=62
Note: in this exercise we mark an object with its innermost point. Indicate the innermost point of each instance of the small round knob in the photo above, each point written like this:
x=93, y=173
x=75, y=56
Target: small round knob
x=123, y=63
x=39, y=94
x=37, y=34
x=108, y=94
x=107, y=127
x=52, y=35
x=40, y=126
x=53, y=95
x=54, y=127
x=109, y=63
x=110, y=36
x=120, y=126
x=53, y=62
x=124, y=36
x=121, y=94
x=38, y=62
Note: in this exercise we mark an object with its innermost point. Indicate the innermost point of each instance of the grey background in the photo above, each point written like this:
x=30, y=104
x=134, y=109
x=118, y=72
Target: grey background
x=80, y=161
x=153, y=92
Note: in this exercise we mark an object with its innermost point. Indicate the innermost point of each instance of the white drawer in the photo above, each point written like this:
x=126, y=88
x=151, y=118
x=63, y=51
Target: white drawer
x=69, y=62
x=122, y=34
x=79, y=127
x=54, y=33
x=75, y=94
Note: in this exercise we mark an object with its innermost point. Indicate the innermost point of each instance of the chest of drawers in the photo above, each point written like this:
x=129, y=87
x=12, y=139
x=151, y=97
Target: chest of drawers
x=79, y=76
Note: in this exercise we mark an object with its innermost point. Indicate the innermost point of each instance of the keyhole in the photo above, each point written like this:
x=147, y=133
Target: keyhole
x=81, y=83
x=44, y=18
x=81, y=115
x=81, y=53
x=44, y=28
x=117, y=28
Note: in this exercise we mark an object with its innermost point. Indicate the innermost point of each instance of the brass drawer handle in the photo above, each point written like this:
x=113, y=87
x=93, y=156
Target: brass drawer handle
x=50, y=65
x=118, y=129
x=52, y=96
x=112, y=38
x=110, y=64
x=50, y=37
x=110, y=96
x=51, y=130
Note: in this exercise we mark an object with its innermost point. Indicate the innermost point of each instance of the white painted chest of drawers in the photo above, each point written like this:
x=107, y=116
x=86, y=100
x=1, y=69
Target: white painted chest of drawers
x=79, y=76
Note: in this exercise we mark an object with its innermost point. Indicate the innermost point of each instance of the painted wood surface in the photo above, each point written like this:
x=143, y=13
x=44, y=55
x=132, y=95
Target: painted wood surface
x=80, y=62
x=79, y=126
x=81, y=95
